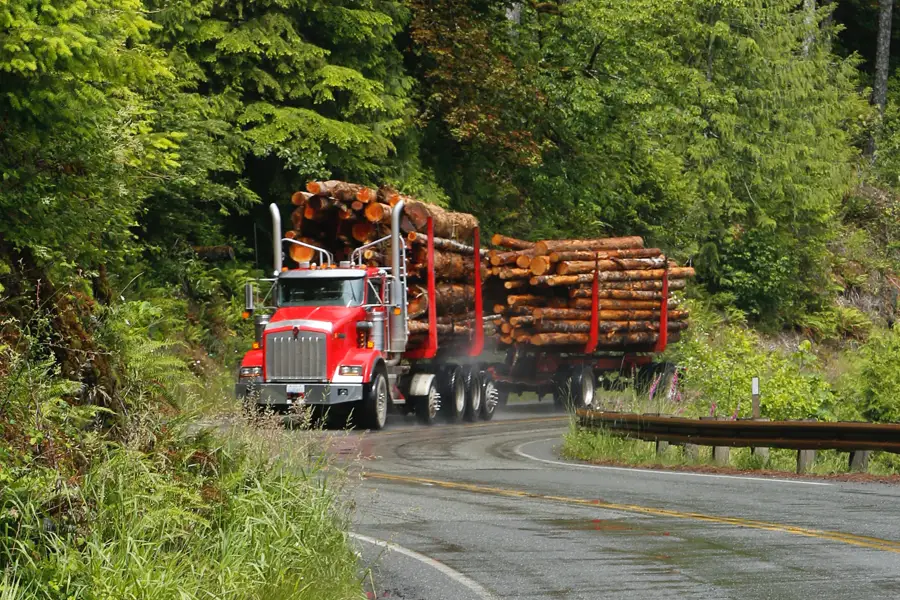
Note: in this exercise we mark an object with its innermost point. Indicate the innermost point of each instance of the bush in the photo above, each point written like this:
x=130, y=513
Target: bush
x=720, y=359
x=870, y=388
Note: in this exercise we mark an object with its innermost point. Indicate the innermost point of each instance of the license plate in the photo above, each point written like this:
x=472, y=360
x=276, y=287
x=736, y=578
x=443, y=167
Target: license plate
x=298, y=389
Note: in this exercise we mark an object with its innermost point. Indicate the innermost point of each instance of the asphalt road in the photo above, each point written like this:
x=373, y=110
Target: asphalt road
x=489, y=511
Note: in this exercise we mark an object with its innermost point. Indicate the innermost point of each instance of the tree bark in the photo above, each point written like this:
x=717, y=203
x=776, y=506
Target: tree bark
x=376, y=212
x=573, y=267
x=300, y=198
x=511, y=273
x=443, y=244
x=450, y=298
x=585, y=304
x=882, y=62
x=511, y=243
x=604, y=255
x=629, y=276
x=564, y=326
x=573, y=314
x=545, y=247
x=446, y=224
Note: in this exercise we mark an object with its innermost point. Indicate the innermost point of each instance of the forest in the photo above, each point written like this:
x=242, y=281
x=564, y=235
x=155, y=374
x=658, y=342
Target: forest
x=756, y=141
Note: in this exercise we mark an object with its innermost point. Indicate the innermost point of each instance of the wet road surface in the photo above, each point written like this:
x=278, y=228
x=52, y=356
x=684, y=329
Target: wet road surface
x=489, y=511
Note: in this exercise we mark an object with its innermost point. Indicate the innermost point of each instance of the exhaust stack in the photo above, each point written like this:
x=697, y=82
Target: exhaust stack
x=276, y=238
x=399, y=333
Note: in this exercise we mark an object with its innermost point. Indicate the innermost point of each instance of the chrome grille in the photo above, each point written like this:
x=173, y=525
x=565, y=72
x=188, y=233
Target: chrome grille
x=296, y=359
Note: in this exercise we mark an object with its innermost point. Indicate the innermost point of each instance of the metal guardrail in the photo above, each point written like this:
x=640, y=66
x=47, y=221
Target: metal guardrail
x=795, y=435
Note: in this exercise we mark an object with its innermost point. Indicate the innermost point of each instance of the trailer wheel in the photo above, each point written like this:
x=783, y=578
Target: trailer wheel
x=376, y=398
x=474, y=396
x=582, y=388
x=452, y=388
x=490, y=398
x=575, y=390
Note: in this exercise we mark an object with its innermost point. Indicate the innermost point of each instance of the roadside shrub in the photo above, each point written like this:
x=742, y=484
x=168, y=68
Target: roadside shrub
x=720, y=359
x=870, y=389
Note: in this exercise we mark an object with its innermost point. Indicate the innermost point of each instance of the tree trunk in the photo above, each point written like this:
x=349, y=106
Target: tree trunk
x=809, y=17
x=446, y=224
x=450, y=298
x=882, y=62
x=300, y=198
x=630, y=276
x=511, y=243
x=510, y=273
x=563, y=326
x=442, y=328
x=516, y=284
x=608, y=341
x=447, y=265
x=560, y=314
x=376, y=212
x=605, y=255
x=443, y=244
x=545, y=247
x=362, y=232
x=507, y=258
x=301, y=254
x=654, y=305
x=322, y=188
x=573, y=267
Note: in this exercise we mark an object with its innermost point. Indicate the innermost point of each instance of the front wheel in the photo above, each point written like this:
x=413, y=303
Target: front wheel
x=376, y=398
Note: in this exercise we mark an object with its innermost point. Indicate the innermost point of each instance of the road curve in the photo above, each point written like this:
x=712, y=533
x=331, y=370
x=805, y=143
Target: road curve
x=489, y=511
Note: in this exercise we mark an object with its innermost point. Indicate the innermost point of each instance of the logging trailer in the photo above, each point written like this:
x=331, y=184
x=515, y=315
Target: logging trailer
x=337, y=337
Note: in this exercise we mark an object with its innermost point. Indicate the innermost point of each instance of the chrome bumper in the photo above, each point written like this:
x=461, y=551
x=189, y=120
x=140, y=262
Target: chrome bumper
x=276, y=394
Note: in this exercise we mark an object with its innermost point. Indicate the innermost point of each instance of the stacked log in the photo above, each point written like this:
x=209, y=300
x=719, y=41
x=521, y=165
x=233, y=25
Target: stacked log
x=342, y=217
x=548, y=288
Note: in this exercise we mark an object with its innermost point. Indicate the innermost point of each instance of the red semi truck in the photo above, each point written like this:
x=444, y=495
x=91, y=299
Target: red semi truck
x=337, y=338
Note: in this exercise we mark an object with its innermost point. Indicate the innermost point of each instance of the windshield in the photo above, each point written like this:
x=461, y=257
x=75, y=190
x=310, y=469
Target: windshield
x=320, y=291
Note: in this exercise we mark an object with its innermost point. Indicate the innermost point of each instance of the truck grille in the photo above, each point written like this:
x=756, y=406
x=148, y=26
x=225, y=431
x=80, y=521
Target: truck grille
x=296, y=359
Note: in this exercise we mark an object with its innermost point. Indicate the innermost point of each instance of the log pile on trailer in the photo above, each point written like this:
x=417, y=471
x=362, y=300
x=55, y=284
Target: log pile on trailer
x=342, y=217
x=599, y=294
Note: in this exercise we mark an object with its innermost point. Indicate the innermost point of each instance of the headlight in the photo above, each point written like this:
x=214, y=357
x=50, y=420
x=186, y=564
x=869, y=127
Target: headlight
x=351, y=370
x=248, y=372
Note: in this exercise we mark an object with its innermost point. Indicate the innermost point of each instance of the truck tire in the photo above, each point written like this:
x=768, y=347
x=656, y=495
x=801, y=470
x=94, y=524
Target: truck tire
x=452, y=388
x=375, y=402
x=490, y=397
x=575, y=390
x=474, y=396
x=582, y=389
x=428, y=405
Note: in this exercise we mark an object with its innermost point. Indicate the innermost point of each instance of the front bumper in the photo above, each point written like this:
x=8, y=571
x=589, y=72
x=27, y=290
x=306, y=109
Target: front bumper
x=276, y=394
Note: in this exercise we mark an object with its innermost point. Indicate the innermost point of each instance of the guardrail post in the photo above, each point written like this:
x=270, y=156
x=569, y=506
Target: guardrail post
x=661, y=447
x=805, y=458
x=761, y=453
x=692, y=452
x=720, y=454
x=859, y=461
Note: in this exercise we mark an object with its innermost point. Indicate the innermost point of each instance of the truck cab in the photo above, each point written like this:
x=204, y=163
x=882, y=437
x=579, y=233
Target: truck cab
x=334, y=337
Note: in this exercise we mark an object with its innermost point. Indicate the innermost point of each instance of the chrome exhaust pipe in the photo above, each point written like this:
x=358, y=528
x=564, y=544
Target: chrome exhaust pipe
x=399, y=333
x=276, y=238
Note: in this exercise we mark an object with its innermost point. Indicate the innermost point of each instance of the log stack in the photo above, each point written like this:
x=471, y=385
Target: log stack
x=547, y=287
x=341, y=217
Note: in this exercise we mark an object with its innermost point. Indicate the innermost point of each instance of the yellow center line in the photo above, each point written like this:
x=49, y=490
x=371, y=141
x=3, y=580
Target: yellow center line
x=464, y=428
x=834, y=536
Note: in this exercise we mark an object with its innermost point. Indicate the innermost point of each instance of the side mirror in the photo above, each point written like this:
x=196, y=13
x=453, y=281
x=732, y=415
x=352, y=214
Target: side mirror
x=248, y=297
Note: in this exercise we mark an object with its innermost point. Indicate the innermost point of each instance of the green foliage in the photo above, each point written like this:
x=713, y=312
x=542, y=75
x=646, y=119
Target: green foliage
x=720, y=360
x=705, y=126
x=870, y=389
x=192, y=519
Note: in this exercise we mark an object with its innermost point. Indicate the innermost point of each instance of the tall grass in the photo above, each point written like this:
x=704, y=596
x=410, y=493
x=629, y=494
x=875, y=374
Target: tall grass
x=170, y=502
